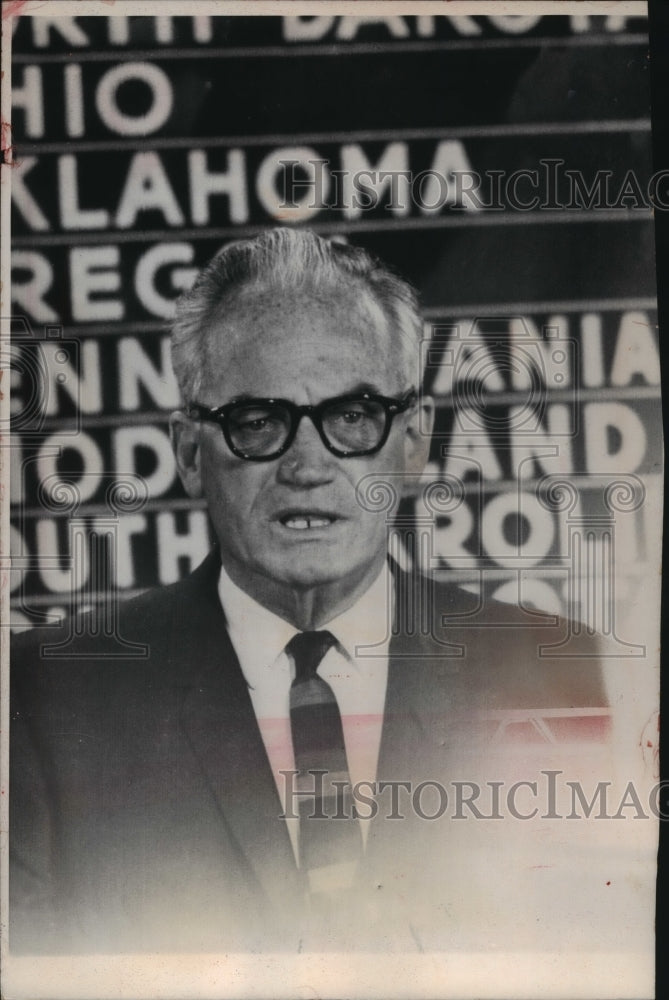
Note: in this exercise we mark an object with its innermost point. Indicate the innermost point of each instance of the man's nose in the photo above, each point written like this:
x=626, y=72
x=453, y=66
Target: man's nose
x=307, y=462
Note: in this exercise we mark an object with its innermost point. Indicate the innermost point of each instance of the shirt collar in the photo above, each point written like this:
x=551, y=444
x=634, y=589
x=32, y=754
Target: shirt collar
x=369, y=621
x=259, y=636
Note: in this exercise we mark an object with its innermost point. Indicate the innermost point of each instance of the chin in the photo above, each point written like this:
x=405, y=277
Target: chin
x=314, y=574
x=304, y=577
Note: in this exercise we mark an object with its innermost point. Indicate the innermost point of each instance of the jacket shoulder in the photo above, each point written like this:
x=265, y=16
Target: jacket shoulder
x=159, y=631
x=518, y=656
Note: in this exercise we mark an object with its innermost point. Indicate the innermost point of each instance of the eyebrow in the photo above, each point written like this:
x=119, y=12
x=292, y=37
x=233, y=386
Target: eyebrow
x=360, y=388
x=363, y=387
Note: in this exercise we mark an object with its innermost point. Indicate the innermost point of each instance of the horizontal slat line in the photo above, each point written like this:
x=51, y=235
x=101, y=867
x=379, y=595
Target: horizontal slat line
x=118, y=328
x=517, y=714
x=567, y=395
x=578, y=395
x=466, y=220
x=638, y=571
x=334, y=48
x=510, y=486
x=89, y=422
x=156, y=506
x=515, y=308
x=69, y=599
x=114, y=328
x=350, y=135
x=580, y=481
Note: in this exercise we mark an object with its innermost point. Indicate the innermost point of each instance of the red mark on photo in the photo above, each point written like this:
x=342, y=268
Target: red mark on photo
x=6, y=143
x=12, y=8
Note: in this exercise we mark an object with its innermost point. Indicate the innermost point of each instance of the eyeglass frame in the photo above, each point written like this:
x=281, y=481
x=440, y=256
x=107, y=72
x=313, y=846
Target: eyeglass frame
x=219, y=414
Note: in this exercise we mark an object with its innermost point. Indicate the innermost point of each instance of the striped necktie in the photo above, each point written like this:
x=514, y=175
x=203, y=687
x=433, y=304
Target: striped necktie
x=330, y=847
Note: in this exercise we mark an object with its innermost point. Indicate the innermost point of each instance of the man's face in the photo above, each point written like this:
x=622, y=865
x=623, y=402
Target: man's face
x=304, y=347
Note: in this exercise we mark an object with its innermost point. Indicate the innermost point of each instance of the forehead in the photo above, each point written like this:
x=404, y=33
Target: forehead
x=264, y=308
x=262, y=337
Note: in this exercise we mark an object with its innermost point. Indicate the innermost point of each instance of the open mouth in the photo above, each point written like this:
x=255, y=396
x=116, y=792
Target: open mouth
x=303, y=521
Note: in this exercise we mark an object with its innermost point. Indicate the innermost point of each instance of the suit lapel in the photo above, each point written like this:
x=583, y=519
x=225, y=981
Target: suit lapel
x=220, y=724
x=422, y=726
x=424, y=667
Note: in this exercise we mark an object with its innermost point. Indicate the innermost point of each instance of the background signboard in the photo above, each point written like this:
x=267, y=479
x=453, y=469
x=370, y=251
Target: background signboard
x=501, y=162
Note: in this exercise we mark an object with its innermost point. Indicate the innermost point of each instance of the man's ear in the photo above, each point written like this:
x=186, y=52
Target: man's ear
x=185, y=438
x=417, y=442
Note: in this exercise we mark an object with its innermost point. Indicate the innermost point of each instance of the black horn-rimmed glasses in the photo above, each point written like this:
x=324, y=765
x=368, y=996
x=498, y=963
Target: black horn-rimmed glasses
x=349, y=426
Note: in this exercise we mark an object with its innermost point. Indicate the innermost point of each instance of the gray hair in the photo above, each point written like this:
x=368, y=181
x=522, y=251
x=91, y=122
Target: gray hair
x=289, y=258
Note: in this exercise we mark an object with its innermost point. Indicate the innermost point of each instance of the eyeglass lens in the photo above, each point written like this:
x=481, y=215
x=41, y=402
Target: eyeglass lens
x=351, y=425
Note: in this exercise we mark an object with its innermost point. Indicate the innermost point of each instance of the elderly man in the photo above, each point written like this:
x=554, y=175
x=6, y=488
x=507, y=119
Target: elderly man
x=273, y=774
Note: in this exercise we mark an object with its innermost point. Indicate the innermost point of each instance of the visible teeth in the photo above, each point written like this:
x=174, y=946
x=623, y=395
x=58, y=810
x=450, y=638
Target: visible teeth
x=302, y=523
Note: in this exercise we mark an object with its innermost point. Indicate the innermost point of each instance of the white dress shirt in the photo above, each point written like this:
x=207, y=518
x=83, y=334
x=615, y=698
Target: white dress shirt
x=357, y=677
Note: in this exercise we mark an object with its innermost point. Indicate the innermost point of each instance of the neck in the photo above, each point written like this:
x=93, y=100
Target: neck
x=307, y=608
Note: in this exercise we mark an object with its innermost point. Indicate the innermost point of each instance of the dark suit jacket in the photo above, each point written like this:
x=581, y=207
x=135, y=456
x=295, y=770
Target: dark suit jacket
x=144, y=815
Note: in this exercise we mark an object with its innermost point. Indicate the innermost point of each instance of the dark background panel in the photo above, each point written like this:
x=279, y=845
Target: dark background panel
x=508, y=95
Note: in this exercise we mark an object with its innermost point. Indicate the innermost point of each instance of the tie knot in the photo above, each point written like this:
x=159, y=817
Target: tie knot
x=307, y=650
